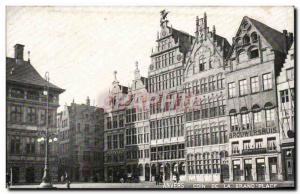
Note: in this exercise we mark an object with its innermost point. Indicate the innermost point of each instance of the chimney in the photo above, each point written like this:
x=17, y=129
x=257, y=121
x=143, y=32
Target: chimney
x=88, y=102
x=19, y=49
x=285, y=41
x=290, y=39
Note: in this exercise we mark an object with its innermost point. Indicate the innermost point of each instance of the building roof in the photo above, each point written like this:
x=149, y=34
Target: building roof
x=275, y=38
x=23, y=72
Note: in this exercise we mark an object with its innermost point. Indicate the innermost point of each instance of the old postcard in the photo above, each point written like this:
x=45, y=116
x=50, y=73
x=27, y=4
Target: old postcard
x=150, y=97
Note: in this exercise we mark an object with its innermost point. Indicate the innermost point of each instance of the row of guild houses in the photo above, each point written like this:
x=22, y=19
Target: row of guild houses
x=208, y=111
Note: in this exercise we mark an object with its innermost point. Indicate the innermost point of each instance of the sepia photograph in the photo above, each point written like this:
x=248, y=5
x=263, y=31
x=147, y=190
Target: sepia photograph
x=150, y=97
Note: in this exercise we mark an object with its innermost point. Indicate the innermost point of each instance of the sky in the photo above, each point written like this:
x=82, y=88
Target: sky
x=81, y=46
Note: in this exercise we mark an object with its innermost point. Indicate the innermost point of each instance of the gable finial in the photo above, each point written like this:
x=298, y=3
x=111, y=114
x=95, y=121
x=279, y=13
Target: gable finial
x=28, y=52
x=115, y=75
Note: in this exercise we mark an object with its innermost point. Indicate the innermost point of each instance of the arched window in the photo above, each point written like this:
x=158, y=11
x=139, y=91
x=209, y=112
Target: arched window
x=270, y=114
x=256, y=116
x=245, y=118
x=246, y=39
x=239, y=41
x=201, y=63
x=254, y=36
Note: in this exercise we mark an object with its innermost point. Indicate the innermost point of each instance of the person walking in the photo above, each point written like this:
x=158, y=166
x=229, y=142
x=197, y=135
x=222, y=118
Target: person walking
x=68, y=181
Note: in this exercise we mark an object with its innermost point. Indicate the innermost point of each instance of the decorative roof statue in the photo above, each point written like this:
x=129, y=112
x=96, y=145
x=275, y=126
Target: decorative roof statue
x=163, y=15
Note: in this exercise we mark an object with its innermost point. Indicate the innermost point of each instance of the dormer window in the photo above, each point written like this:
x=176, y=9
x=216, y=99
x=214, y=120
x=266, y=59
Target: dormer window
x=246, y=40
x=239, y=41
x=254, y=37
x=253, y=53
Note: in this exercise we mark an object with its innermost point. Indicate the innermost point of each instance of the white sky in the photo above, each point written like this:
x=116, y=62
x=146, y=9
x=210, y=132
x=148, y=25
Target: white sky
x=82, y=46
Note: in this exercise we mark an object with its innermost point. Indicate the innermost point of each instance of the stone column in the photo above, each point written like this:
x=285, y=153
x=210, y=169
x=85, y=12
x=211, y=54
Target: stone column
x=105, y=174
x=267, y=172
x=242, y=170
x=230, y=169
x=254, y=175
x=279, y=167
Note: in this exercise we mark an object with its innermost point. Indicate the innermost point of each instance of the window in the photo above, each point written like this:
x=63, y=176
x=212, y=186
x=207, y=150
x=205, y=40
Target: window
x=245, y=121
x=290, y=74
x=109, y=123
x=86, y=128
x=267, y=81
x=31, y=115
x=270, y=116
x=254, y=53
x=257, y=118
x=235, y=148
x=115, y=121
x=201, y=64
x=78, y=127
x=30, y=145
x=121, y=140
x=258, y=143
x=197, y=115
x=254, y=84
x=271, y=143
x=15, y=145
x=233, y=123
x=17, y=93
x=254, y=37
x=115, y=141
x=246, y=39
x=231, y=90
x=246, y=144
x=243, y=87
x=284, y=96
x=189, y=116
x=109, y=142
x=32, y=95
x=16, y=114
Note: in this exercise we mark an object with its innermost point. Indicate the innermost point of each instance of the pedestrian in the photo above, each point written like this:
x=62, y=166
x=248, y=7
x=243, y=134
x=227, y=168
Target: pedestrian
x=177, y=177
x=157, y=179
x=68, y=181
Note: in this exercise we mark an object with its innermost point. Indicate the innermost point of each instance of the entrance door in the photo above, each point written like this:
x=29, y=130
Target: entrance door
x=248, y=169
x=289, y=164
x=260, y=169
x=273, y=169
x=29, y=175
x=236, y=170
x=225, y=172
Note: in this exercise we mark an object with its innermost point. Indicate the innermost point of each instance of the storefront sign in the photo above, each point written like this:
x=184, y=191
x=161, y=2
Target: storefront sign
x=254, y=132
x=254, y=151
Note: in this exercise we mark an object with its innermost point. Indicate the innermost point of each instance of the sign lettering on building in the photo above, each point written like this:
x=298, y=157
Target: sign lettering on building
x=262, y=131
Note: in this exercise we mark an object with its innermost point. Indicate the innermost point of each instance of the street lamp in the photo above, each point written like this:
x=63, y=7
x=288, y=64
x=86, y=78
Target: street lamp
x=46, y=180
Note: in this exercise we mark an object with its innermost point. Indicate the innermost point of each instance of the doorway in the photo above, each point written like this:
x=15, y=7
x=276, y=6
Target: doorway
x=248, y=169
x=260, y=169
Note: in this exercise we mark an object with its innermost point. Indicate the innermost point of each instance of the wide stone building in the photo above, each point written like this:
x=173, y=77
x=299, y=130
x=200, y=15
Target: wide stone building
x=26, y=110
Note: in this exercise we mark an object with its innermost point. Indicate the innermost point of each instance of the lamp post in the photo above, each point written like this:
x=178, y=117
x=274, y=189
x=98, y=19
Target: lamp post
x=46, y=180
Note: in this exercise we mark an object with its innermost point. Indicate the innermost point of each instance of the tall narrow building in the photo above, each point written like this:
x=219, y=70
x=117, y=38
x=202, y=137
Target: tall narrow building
x=167, y=145
x=286, y=108
x=81, y=141
x=206, y=129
